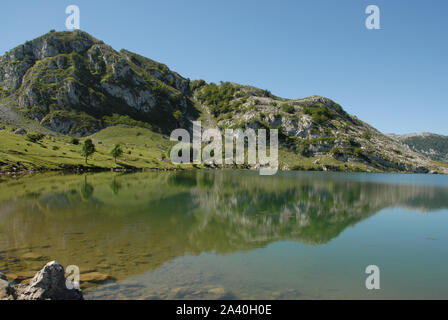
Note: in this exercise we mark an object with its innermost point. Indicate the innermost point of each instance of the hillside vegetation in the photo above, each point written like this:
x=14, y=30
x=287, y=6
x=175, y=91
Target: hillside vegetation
x=434, y=146
x=69, y=84
x=142, y=149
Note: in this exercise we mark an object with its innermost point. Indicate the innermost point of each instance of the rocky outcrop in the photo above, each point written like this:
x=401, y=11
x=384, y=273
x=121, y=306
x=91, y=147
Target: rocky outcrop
x=311, y=127
x=72, y=71
x=48, y=284
x=20, y=131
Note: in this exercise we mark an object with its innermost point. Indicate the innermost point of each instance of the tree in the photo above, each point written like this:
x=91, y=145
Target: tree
x=88, y=148
x=116, y=152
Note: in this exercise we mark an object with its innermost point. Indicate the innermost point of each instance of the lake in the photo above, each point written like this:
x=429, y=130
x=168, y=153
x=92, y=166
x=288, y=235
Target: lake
x=227, y=234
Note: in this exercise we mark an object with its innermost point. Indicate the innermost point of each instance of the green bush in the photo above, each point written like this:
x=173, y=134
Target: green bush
x=288, y=108
x=218, y=98
x=267, y=94
x=366, y=135
x=196, y=84
x=116, y=119
x=177, y=115
x=34, y=137
x=320, y=114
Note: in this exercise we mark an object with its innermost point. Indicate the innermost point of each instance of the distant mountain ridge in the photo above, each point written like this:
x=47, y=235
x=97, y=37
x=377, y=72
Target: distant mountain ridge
x=73, y=84
x=434, y=146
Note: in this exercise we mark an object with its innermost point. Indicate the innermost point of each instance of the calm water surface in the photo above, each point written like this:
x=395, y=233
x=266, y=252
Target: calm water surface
x=231, y=234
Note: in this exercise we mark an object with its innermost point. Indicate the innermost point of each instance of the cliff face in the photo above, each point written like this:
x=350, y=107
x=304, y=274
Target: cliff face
x=75, y=84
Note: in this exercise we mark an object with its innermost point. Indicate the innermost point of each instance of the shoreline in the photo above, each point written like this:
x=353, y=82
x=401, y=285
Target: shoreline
x=83, y=169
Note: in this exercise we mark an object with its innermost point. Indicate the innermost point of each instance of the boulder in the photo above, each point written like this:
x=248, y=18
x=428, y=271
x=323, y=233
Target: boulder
x=48, y=284
x=20, y=131
x=6, y=292
x=94, y=277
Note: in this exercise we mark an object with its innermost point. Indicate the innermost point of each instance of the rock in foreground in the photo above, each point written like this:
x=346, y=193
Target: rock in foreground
x=48, y=284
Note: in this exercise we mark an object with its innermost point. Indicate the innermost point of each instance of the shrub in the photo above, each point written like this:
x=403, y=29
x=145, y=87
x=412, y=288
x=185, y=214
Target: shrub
x=303, y=148
x=267, y=93
x=177, y=115
x=116, y=119
x=218, y=98
x=288, y=108
x=366, y=135
x=74, y=141
x=34, y=137
x=320, y=113
x=196, y=84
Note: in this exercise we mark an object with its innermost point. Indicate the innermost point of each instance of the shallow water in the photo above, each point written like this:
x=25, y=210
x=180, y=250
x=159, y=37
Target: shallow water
x=232, y=234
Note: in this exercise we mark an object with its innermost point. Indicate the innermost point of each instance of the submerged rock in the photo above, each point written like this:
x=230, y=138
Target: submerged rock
x=6, y=292
x=48, y=284
x=22, y=276
x=32, y=256
x=94, y=277
x=220, y=293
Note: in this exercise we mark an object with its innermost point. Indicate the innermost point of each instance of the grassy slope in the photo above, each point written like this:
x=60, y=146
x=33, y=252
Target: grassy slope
x=142, y=149
x=292, y=161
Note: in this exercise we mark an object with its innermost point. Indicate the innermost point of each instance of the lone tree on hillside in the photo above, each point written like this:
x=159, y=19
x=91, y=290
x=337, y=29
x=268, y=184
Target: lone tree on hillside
x=116, y=152
x=88, y=148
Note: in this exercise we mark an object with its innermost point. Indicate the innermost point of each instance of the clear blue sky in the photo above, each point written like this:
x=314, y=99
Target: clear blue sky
x=394, y=78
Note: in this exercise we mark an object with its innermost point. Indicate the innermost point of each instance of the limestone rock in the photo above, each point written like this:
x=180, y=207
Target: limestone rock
x=25, y=275
x=48, y=284
x=6, y=292
x=32, y=256
x=69, y=81
x=20, y=131
x=94, y=277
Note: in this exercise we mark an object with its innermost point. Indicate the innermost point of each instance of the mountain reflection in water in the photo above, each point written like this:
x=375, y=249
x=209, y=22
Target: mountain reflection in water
x=128, y=224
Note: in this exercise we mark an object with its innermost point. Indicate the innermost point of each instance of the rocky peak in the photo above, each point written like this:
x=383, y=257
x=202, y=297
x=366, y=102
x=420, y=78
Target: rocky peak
x=52, y=44
x=76, y=81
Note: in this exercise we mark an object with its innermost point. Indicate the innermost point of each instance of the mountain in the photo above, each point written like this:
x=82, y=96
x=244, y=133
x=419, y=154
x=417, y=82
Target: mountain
x=434, y=146
x=75, y=84
x=71, y=84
